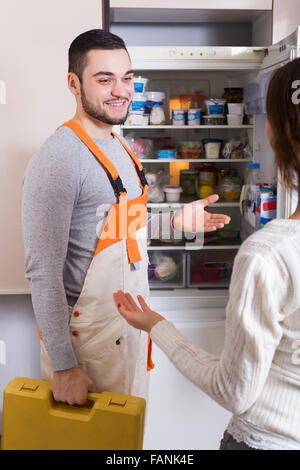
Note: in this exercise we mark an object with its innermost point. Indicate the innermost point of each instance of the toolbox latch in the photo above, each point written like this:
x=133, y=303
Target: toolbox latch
x=118, y=401
x=29, y=386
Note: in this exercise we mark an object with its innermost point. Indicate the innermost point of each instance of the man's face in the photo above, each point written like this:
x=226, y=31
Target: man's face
x=107, y=85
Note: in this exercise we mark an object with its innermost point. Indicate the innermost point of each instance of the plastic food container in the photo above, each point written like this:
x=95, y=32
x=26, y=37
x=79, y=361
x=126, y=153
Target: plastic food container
x=190, y=149
x=215, y=106
x=234, y=120
x=214, y=120
x=157, y=115
x=193, y=117
x=212, y=147
x=138, y=104
x=192, y=101
x=178, y=117
x=209, y=268
x=168, y=153
x=235, y=108
x=172, y=193
x=166, y=269
x=190, y=153
x=153, y=97
x=139, y=84
x=134, y=119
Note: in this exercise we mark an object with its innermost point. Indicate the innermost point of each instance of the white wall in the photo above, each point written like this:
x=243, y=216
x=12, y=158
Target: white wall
x=34, y=37
x=286, y=17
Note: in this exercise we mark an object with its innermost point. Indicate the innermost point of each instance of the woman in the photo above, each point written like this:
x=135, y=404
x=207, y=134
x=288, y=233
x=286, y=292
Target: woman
x=257, y=376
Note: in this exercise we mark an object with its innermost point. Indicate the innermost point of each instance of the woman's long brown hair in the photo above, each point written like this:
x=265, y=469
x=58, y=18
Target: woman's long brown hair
x=283, y=113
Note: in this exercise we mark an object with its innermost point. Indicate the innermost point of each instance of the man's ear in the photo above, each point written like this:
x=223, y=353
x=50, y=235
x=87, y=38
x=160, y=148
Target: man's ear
x=74, y=84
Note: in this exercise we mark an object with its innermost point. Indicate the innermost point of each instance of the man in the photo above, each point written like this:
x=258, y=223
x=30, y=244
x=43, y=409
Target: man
x=72, y=265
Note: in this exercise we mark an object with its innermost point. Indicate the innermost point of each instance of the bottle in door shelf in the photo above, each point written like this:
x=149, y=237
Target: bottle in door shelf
x=261, y=202
x=267, y=206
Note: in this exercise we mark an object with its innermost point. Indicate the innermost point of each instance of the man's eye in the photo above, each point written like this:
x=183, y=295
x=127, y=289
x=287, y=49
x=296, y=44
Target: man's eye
x=104, y=80
x=128, y=78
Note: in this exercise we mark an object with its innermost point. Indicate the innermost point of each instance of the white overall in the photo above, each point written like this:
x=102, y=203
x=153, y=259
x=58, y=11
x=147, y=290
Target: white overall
x=116, y=356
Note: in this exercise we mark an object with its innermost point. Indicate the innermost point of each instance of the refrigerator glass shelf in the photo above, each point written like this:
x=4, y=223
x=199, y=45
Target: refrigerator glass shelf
x=196, y=160
x=190, y=248
x=244, y=126
x=180, y=204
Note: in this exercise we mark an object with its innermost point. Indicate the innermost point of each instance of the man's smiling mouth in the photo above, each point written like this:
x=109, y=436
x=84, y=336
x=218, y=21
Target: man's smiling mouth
x=117, y=103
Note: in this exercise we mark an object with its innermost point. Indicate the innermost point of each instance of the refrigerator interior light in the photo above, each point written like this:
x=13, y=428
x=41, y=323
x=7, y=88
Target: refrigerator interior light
x=2, y=92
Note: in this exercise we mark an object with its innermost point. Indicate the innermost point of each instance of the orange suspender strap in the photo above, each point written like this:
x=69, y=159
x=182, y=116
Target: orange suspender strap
x=111, y=170
x=150, y=364
x=134, y=158
x=137, y=164
x=39, y=333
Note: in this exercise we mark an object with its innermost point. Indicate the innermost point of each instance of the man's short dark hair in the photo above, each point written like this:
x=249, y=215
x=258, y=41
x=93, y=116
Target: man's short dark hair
x=88, y=41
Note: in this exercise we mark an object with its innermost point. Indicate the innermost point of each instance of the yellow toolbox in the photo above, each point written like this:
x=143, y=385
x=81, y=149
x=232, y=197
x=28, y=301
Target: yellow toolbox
x=33, y=420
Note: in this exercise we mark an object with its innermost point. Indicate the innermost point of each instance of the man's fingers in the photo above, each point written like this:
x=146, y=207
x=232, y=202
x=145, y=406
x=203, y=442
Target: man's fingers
x=209, y=200
x=219, y=218
x=92, y=387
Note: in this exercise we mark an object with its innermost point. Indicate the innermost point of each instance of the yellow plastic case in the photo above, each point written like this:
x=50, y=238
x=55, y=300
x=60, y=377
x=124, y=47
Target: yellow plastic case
x=33, y=420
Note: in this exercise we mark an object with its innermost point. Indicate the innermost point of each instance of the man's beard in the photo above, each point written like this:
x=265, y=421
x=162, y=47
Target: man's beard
x=94, y=112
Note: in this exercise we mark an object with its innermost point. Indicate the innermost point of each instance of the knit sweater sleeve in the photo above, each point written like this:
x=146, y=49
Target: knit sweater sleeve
x=252, y=333
x=50, y=189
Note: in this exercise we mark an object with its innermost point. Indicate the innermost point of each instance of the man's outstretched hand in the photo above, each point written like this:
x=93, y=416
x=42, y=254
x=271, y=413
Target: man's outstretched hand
x=193, y=218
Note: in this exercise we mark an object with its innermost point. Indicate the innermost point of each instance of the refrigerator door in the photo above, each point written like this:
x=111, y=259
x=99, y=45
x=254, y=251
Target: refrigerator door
x=285, y=50
x=179, y=415
x=255, y=93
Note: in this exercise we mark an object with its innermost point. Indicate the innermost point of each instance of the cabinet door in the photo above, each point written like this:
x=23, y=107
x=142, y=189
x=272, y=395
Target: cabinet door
x=286, y=18
x=179, y=415
x=36, y=103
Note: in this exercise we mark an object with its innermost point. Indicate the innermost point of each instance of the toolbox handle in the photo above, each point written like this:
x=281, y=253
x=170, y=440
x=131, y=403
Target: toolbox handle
x=81, y=411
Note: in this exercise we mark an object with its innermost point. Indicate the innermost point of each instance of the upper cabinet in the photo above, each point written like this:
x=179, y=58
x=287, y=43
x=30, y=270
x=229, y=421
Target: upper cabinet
x=286, y=18
x=196, y=4
x=193, y=23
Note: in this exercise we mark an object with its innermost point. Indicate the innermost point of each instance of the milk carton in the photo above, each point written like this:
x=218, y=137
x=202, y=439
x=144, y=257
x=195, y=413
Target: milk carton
x=267, y=206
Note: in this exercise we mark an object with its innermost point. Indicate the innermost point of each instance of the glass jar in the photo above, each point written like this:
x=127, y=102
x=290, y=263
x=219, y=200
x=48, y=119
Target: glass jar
x=188, y=180
x=230, y=188
x=233, y=95
x=206, y=180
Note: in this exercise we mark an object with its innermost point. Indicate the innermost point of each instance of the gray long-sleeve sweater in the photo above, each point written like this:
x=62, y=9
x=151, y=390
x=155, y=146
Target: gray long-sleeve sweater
x=64, y=190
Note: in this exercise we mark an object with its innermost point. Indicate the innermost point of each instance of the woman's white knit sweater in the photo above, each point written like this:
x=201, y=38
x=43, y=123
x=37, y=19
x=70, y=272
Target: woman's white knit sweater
x=257, y=376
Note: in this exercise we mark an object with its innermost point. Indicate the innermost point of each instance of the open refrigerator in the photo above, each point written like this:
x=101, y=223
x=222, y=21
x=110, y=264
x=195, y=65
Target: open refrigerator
x=179, y=415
